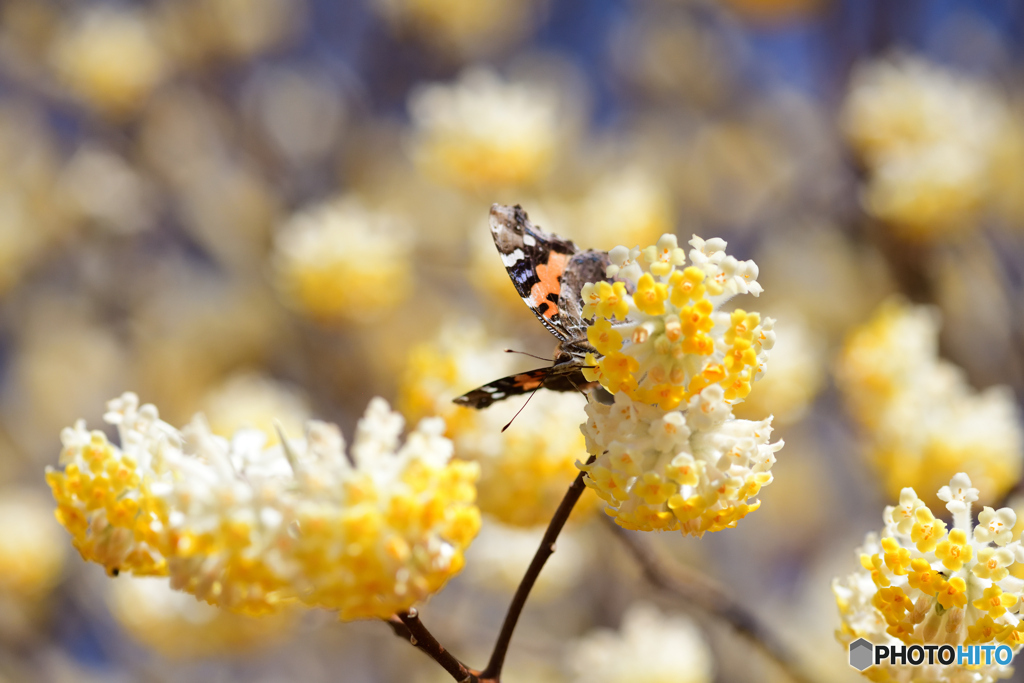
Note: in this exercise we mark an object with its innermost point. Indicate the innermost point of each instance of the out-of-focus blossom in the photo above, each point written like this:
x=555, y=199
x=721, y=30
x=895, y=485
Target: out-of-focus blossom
x=57, y=340
x=195, y=331
x=252, y=401
x=526, y=469
x=920, y=584
x=628, y=205
x=343, y=262
x=298, y=111
x=178, y=626
x=32, y=555
x=668, y=453
x=922, y=420
x=928, y=137
x=465, y=28
x=483, y=132
x=771, y=11
x=103, y=189
x=736, y=160
x=221, y=197
x=671, y=53
x=109, y=56
x=798, y=373
x=30, y=220
x=500, y=555
x=199, y=31
x=367, y=532
x=816, y=265
x=649, y=646
x=32, y=549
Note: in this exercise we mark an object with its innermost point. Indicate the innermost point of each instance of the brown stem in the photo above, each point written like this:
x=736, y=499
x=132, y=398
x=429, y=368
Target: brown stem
x=547, y=547
x=408, y=626
x=707, y=595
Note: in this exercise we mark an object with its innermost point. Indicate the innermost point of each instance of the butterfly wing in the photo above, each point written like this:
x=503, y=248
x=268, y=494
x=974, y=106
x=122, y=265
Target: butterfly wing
x=584, y=267
x=560, y=377
x=500, y=389
x=535, y=261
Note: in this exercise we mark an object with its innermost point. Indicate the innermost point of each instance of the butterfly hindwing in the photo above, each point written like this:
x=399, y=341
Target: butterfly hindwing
x=500, y=389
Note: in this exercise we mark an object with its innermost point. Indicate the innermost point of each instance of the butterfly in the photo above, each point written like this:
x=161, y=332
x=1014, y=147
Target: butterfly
x=548, y=272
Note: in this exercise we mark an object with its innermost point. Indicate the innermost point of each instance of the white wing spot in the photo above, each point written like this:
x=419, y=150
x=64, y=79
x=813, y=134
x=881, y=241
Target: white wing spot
x=489, y=390
x=528, y=240
x=500, y=394
x=513, y=258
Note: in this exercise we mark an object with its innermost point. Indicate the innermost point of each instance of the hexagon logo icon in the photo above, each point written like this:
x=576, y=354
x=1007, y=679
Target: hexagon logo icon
x=861, y=654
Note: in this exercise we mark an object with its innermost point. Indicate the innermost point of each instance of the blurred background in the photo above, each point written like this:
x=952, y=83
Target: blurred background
x=278, y=208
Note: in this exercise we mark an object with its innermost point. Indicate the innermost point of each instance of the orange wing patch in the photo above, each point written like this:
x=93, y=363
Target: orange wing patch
x=529, y=381
x=544, y=294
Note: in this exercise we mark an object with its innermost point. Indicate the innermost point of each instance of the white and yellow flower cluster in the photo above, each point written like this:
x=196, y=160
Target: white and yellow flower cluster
x=669, y=454
x=921, y=584
x=669, y=340
x=525, y=470
x=929, y=138
x=368, y=533
x=341, y=261
x=922, y=420
x=484, y=133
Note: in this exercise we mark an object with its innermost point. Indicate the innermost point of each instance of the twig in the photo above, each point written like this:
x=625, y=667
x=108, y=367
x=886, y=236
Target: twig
x=409, y=627
x=547, y=547
x=707, y=595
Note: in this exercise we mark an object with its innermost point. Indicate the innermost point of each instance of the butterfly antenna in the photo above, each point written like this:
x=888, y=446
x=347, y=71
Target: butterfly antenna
x=517, y=412
x=549, y=360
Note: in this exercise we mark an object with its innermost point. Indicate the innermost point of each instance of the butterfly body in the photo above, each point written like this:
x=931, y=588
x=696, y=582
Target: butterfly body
x=548, y=272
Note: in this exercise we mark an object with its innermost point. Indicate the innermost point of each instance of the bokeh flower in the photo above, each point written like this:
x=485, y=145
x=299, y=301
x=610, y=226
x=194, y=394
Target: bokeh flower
x=668, y=452
x=915, y=586
x=928, y=137
x=178, y=626
x=501, y=554
x=253, y=401
x=922, y=421
x=367, y=533
x=110, y=58
x=526, y=469
x=32, y=550
x=483, y=132
x=798, y=374
x=343, y=262
x=649, y=646
x=466, y=28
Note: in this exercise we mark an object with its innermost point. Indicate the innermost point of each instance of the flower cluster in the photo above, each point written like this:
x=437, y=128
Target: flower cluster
x=341, y=261
x=668, y=452
x=670, y=340
x=921, y=584
x=648, y=647
x=928, y=138
x=368, y=532
x=922, y=420
x=524, y=470
x=690, y=470
x=483, y=132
